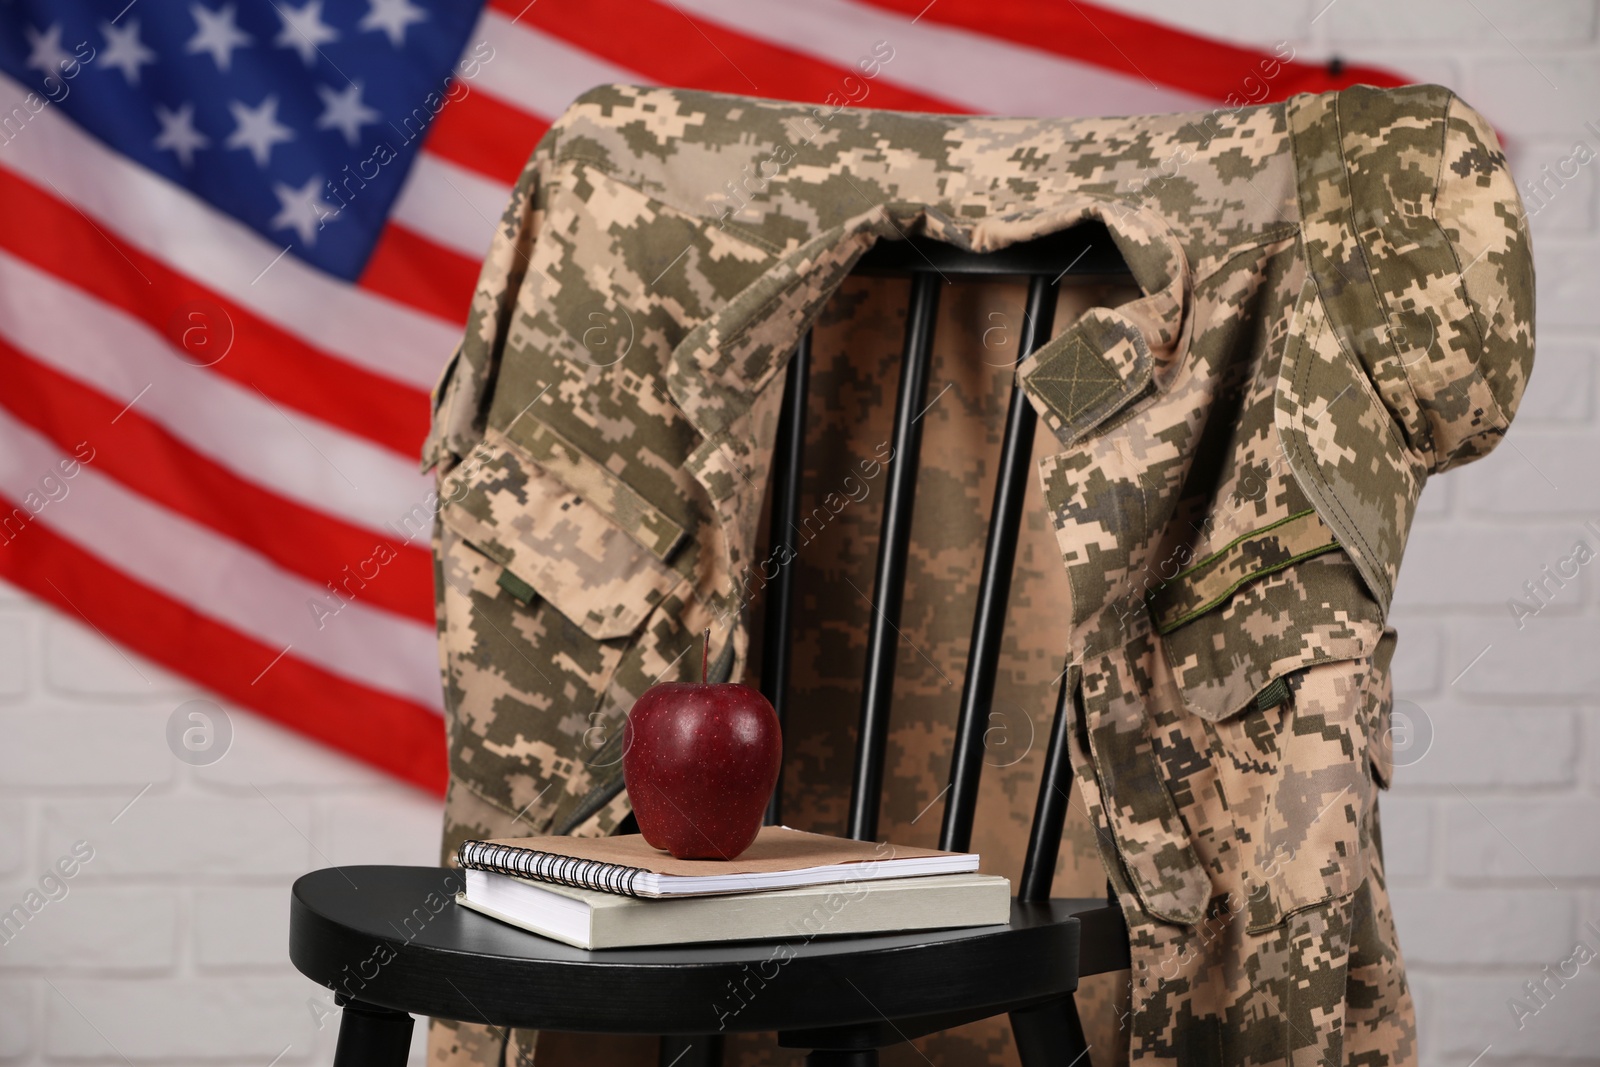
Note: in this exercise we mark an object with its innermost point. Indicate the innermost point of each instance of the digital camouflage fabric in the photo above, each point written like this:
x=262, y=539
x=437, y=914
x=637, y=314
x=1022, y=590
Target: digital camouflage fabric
x=1333, y=300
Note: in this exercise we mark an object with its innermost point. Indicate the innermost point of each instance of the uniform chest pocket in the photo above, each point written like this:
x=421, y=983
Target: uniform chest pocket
x=604, y=569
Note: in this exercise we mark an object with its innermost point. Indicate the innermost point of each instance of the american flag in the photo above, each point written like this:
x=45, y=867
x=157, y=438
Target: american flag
x=239, y=239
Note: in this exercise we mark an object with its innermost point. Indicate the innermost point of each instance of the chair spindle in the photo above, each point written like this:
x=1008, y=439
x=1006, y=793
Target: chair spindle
x=788, y=468
x=994, y=583
x=888, y=589
x=1050, y=811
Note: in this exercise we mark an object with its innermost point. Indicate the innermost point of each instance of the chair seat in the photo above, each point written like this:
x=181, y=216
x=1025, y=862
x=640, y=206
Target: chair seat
x=394, y=937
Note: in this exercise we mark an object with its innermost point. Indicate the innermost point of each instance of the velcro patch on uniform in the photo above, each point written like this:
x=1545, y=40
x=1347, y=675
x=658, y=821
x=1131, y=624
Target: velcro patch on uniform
x=1196, y=590
x=1084, y=376
x=1076, y=380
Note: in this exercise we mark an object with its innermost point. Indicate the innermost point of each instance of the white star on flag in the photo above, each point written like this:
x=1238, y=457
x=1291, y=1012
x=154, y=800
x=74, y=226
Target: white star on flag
x=216, y=32
x=303, y=30
x=178, y=133
x=392, y=17
x=258, y=128
x=302, y=210
x=45, y=52
x=124, y=50
x=344, y=111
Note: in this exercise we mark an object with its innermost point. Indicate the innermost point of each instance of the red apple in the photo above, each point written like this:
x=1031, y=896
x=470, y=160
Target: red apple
x=700, y=761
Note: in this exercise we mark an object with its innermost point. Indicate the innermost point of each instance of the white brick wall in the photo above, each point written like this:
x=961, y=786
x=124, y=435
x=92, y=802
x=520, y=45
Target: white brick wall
x=171, y=942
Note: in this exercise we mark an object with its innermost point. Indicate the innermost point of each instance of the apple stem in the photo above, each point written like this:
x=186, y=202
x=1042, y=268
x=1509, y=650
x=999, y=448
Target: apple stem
x=705, y=655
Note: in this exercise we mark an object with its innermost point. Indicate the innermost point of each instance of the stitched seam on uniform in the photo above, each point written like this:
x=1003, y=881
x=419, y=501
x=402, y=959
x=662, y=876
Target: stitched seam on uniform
x=1481, y=329
x=482, y=535
x=1168, y=627
x=663, y=532
x=757, y=317
x=1260, y=241
x=1154, y=597
x=1360, y=373
x=610, y=171
x=1105, y=826
x=1363, y=381
x=1296, y=145
x=1175, y=827
x=1103, y=776
x=1316, y=469
x=1444, y=140
x=1219, y=553
x=1287, y=914
x=1372, y=278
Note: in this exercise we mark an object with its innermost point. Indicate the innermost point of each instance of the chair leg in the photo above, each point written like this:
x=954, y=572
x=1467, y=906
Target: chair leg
x=855, y=1057
x=370, y=1036
x=1049, y=1034
x=698, y=1051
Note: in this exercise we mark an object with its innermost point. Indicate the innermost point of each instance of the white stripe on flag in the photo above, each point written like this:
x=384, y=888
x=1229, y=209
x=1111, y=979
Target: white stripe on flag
x=451, y=205
x=538, y=73
x=981, y=73
x=260, y=440
x=218, y=577
x=161, y=218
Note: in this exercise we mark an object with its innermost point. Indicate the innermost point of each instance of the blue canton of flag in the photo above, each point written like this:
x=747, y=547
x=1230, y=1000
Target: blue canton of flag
x=300, y=121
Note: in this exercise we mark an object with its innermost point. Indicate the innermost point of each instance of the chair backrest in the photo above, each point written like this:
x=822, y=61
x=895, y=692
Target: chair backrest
x=1083, y=254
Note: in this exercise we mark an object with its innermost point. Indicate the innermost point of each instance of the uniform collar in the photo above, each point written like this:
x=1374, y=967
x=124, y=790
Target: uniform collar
x=1081, y=375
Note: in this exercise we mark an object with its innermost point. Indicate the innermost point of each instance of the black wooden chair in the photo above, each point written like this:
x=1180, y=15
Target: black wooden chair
x=391, y=942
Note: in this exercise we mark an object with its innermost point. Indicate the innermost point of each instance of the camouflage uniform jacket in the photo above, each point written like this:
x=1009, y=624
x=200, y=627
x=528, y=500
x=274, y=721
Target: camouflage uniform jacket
x=1335, y=301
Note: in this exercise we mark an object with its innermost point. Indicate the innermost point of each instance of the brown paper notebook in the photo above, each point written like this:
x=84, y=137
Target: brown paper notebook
x=780, y=858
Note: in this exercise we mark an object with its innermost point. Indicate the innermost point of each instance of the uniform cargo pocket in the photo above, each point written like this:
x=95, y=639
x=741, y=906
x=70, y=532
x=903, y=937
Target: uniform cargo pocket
x=1274, y=641
x=1299, y=789
x=604, y=574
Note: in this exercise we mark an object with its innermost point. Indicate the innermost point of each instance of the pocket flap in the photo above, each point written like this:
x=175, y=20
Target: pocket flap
x=640, y=519
x=559, y=543
x=1206, y=584
x=1282, y=598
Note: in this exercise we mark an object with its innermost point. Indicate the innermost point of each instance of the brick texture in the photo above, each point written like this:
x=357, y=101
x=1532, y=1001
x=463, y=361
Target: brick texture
x=171, y=944
x=96, y=929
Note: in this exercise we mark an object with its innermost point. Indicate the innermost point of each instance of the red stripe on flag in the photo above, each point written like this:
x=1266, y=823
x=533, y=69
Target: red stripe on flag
x=147, y=459
x=37, y=227
x=485, y=135
x=392, y=734
x=407, y=267
x=1202, y=66
x=663, y=44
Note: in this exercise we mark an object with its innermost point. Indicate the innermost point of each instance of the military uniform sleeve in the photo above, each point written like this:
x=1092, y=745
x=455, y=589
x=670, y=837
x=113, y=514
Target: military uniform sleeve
x=1479, y=363
x=461, y=397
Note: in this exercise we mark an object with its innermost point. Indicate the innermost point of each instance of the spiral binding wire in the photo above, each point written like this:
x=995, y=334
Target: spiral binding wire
x=552, y=867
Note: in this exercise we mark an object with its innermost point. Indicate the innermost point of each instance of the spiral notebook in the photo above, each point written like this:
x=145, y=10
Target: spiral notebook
x=779, y=858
